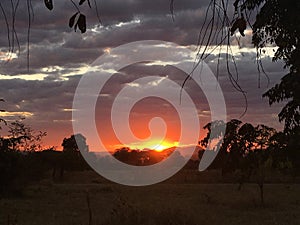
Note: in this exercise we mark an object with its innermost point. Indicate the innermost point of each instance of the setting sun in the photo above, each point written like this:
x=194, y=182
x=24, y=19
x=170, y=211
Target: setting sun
x=164, y=145
x=154, y=144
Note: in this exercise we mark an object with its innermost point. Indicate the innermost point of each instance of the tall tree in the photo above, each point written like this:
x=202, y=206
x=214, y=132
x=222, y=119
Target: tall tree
x=75, y=143
x=71, y=159
x=277, y=24
x=22, y=137
x=229, y=147
x=248, y=152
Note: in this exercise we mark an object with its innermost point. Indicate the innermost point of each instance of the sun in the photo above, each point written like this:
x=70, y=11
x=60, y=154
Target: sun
x=162, y=146
x=159, y=148
x=154, y=144
x=107, y=50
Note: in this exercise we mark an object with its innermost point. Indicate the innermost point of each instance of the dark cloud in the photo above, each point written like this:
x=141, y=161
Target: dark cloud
x=59, y=55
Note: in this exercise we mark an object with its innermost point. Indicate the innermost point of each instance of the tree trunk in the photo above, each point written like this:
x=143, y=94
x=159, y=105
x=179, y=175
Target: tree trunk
x=53, y=172
x=261, y=188
x=62, y=169
x=240, y=186
x=89, y=207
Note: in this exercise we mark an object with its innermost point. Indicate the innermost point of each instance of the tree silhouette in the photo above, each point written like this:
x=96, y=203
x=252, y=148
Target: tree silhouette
x=23, y=138
x=249, y=153
x=261, y=159
x=71, y=159
x=140, y=157
x=74, y=144
x=19, y=161
x=276, y=24
x=230, y=144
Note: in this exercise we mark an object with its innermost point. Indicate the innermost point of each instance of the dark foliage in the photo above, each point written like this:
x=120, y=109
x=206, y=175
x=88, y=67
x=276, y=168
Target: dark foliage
x=250, y=152
x=19, y=168
x=140, y=157
x=49, y=4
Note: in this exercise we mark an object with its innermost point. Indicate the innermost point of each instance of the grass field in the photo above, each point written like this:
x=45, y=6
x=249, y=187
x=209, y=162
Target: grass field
x=168, y=203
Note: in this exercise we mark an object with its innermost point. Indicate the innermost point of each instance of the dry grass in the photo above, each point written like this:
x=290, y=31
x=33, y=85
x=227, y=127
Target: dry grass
x=169, y=203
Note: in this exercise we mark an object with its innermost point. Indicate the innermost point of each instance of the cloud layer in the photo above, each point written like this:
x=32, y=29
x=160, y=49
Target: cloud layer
x=59, y=56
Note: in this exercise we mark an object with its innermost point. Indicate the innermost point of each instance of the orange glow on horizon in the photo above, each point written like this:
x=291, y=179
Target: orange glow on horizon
x=154, y=144
x=140, y=116
x=164, y=145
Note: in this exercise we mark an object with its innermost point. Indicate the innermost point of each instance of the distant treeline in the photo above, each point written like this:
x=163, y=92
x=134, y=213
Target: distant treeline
x=19, y=168
x=248, y=152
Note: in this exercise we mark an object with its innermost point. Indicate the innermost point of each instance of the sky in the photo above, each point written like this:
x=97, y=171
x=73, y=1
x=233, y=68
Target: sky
x=59, y=57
